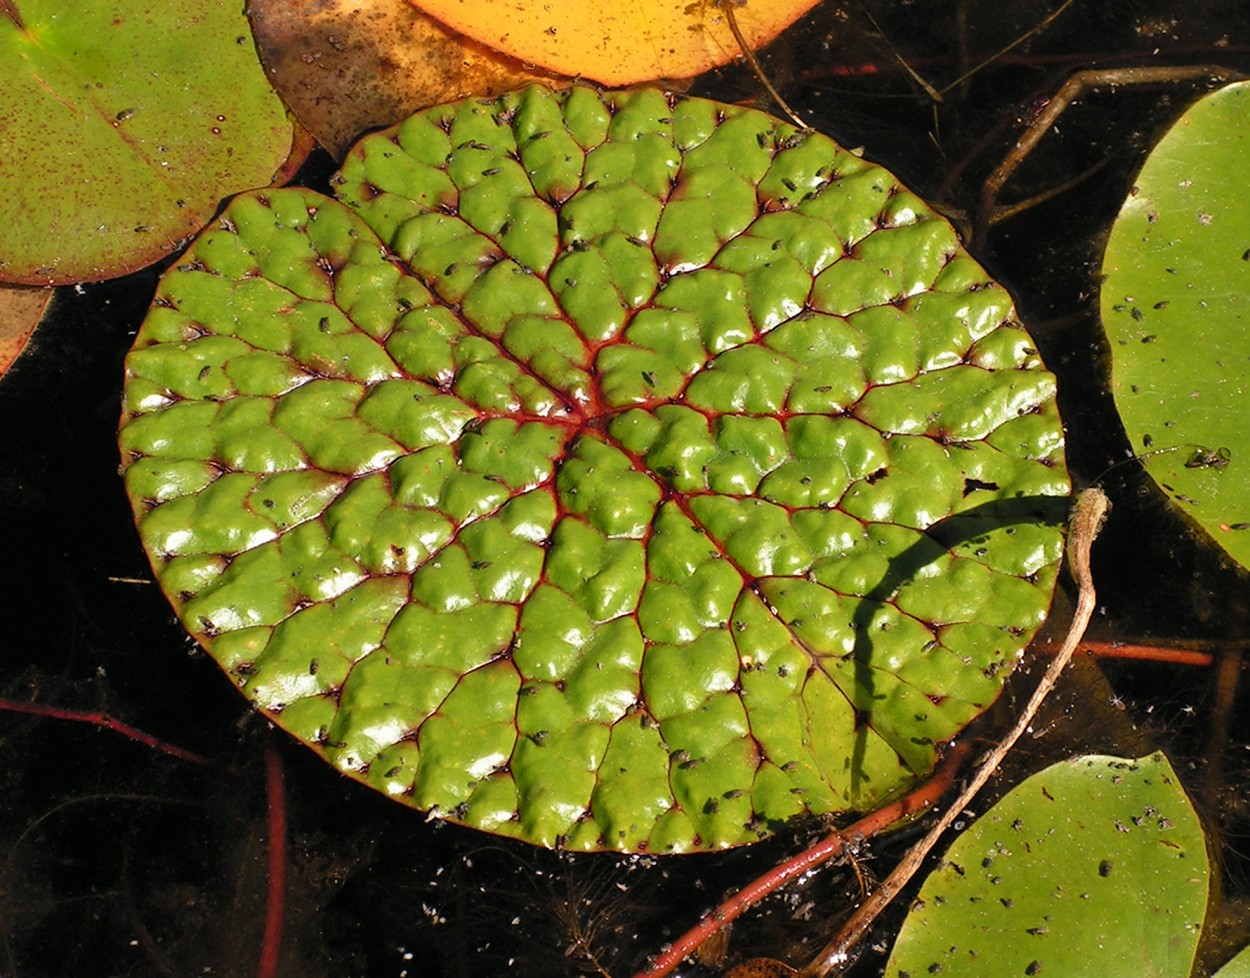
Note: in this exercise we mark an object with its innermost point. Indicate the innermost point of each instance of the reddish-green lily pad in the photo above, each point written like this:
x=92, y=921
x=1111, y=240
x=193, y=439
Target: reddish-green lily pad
x=609, y=470
x=123, y=124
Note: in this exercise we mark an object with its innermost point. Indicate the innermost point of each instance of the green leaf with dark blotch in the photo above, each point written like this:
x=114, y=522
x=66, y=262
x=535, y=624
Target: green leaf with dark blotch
x=1094, y=866
x=1176, y=308
x=123, y=124
x=634, y=491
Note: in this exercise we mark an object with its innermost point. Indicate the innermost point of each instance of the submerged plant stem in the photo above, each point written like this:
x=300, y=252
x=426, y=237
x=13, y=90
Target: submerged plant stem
x=1088, y=514
x=275, y=900
x=830, y=847
x=1144, y=653
x=108, y=723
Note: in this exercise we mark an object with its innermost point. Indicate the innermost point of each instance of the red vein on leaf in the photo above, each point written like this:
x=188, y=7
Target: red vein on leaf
x=9, y=10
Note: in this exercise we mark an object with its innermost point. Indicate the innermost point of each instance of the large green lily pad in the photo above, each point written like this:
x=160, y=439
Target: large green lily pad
x=1095, y=866
x=1176, y=307
x=123, y=124
x=609, y=470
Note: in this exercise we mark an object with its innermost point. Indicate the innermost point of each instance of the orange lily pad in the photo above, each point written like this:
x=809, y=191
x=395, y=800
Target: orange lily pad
x=618, y=43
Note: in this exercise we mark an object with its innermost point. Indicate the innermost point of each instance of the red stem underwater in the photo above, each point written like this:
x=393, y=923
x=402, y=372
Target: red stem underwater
x=275, y=903
x=108, y=723
x=824, y=850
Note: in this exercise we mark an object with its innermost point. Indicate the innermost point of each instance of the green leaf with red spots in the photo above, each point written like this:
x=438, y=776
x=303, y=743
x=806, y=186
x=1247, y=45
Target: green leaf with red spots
x=122, y=125
x=617, y=471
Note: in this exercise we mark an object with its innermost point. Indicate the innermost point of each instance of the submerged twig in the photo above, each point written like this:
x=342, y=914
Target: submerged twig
x=933, y=94
x=732, y=19
x=1072, y=89
x=1035, y=29
x=1087, y=516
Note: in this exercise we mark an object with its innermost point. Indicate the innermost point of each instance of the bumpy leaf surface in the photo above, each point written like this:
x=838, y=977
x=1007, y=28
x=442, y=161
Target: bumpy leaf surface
x=1176, y=307
x=616, y=471
x=1095, y=866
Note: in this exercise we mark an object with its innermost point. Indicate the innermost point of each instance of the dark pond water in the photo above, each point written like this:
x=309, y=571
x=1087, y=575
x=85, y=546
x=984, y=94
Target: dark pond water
x=118, y=859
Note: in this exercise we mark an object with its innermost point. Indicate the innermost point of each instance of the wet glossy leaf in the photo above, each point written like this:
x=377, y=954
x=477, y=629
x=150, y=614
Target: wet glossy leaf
x=618, y=43
x=347, y=67
x=660, y=474
x=123, y=125
x=1095, y=866
x=1176, y=307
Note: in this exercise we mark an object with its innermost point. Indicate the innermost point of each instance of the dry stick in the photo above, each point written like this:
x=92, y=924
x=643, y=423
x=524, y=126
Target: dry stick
x=1087, y=516
x=732, y=19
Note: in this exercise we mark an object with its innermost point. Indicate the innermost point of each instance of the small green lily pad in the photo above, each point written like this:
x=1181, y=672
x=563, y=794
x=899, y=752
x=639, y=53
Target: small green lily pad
x=1176, y=308
x=618, y=470
x=123, y=124
x=1095, y=866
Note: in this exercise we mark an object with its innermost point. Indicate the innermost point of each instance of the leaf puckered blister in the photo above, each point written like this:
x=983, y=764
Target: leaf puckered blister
x=615, y=470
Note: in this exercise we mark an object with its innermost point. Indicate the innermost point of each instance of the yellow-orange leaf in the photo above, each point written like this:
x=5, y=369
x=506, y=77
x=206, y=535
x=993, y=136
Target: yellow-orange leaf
x=617, y=42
